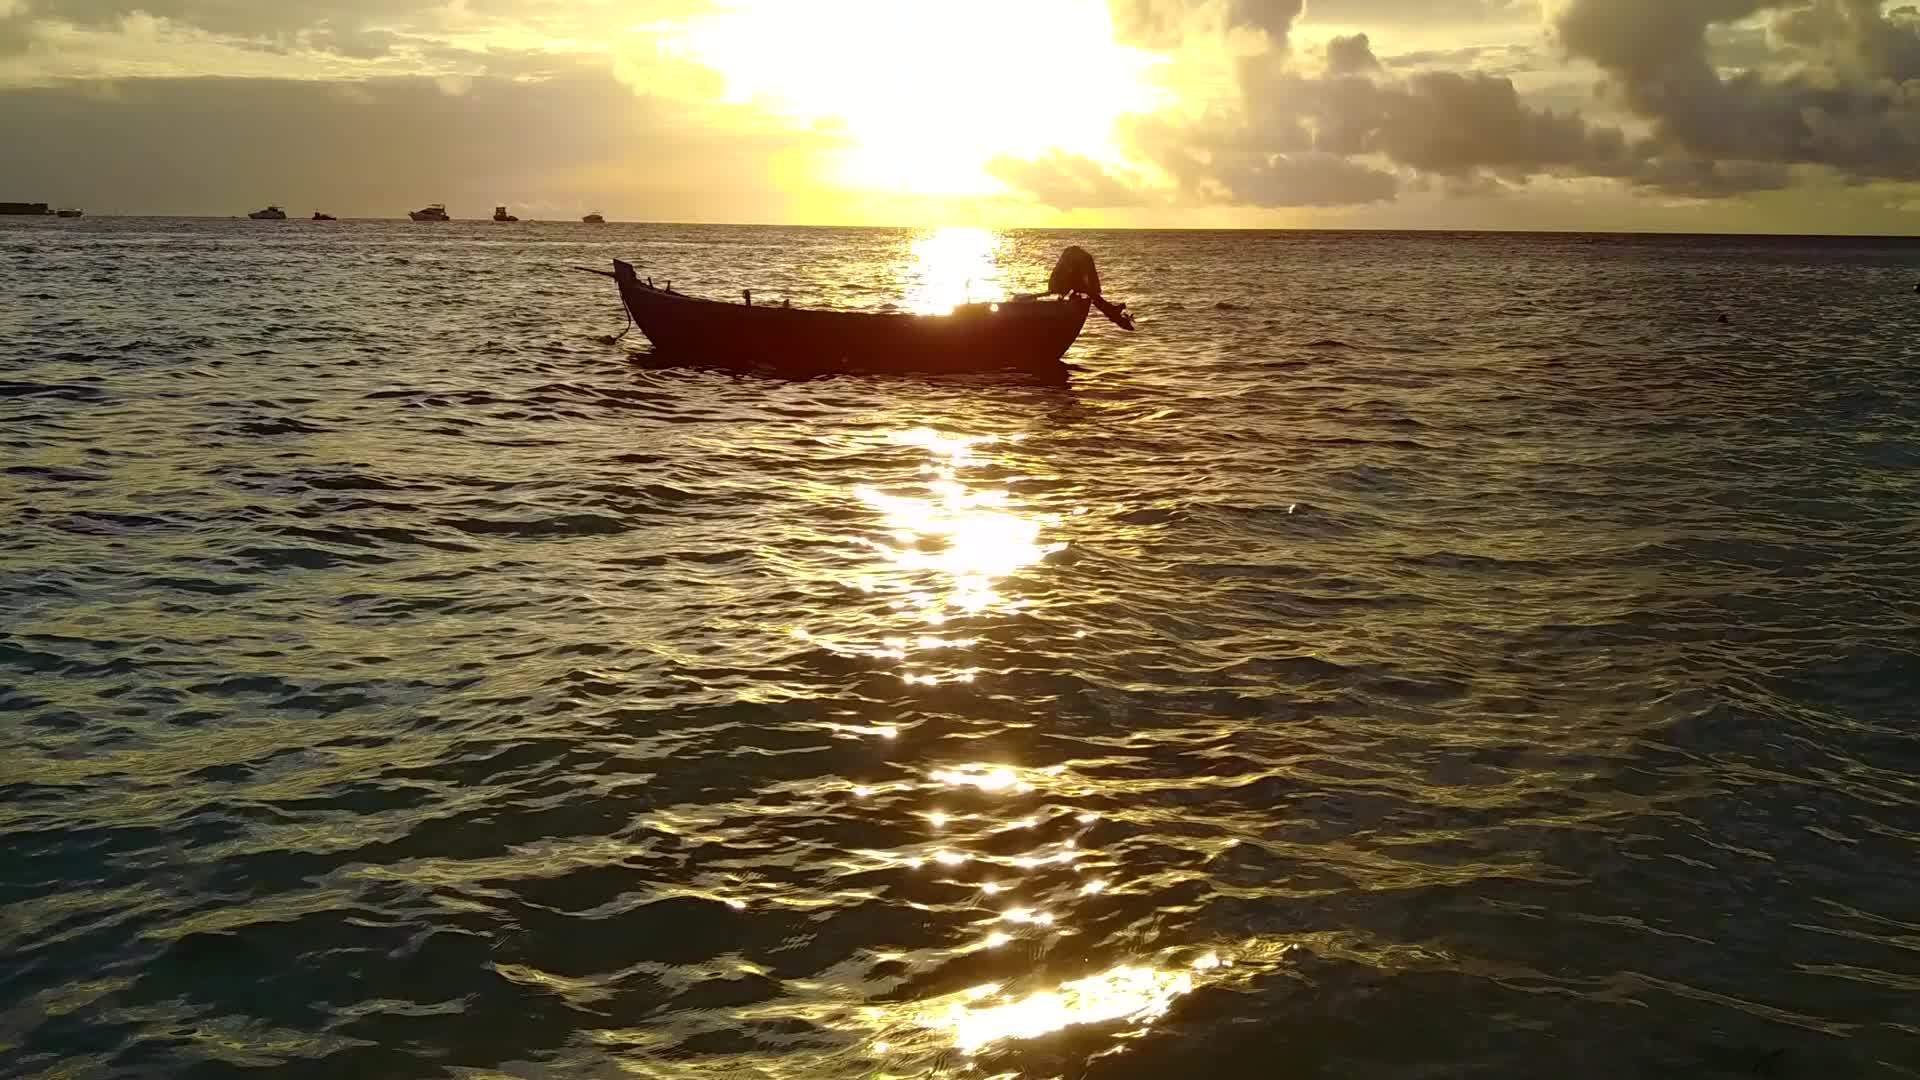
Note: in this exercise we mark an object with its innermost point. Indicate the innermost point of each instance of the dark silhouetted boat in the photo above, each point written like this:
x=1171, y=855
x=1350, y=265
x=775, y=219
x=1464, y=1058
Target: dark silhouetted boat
x=434, y=212
x=69, y=213
x=318, y=216
x=271, y=213
x=594, y=219
x=500, y=214
x=1026, y=334
x=25, y=209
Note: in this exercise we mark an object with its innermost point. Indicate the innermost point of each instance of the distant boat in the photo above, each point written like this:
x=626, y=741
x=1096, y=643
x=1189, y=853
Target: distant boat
x=318, y=216
x=69, y=213
x=271, y=213
x=1026, y=333
x=25, y=209
x=435, y=212
x=594, y=219
x=500, y=214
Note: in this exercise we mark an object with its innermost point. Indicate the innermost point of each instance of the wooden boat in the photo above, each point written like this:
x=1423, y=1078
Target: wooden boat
x=318, y=216
x=70, y=213
x=271, y=213
x=594, y=218
x=1027, y=334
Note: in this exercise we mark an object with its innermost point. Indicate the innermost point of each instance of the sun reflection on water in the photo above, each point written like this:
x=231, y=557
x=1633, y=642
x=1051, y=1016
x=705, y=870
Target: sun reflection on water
x=944, y=551
x=954, y=266
x=945, y=559
x=984, y=1015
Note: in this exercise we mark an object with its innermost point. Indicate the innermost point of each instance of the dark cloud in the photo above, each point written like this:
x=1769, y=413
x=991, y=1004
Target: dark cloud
x=1822, y=84
x=1353, y=136
x=356, y=44
x=1351, y=56
x=1155, y=24
x=230, y=16
x=1162, y=24
x=1385, y=14
x=1296, y=180
x=354, y=26
x=361, y=29
x=1275, y=17
x=1851, y=101
x=1442, y=122
x=1446, y=122
x=225, y=146
x=16, y=34
x=1226, y=168
x=1492, y=59
x=1704, y=178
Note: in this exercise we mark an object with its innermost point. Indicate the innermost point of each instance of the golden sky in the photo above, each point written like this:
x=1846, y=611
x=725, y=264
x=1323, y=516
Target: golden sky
x=1777, y=115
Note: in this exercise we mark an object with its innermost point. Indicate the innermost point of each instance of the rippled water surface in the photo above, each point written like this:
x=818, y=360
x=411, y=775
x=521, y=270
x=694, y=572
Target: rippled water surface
x=1406, y=656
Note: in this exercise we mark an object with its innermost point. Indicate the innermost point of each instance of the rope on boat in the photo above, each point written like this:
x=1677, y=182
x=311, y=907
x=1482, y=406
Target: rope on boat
x=629, y=314
x=615, y=339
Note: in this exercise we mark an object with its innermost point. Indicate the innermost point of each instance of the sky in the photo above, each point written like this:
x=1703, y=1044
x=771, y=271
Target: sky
x=1695, y=115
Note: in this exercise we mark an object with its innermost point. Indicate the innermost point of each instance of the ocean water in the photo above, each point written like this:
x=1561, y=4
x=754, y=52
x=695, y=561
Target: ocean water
x=1405, y=656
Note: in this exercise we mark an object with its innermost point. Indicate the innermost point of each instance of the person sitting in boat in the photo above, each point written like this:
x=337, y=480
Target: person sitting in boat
x=1075, y=273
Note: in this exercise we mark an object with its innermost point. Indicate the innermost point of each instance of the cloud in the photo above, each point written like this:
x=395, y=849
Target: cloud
x=1069, y=182
x=224, y=146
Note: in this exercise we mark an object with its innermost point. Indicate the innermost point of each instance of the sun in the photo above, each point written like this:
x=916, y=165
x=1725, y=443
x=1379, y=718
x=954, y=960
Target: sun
x=929, y=93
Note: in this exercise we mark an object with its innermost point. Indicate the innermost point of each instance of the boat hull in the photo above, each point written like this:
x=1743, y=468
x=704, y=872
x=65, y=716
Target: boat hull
x=1028, y=336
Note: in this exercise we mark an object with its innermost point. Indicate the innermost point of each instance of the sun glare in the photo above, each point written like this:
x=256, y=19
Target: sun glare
x=928, y=94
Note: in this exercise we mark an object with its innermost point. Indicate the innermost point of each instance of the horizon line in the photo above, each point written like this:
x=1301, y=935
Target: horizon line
x=1480, y=231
